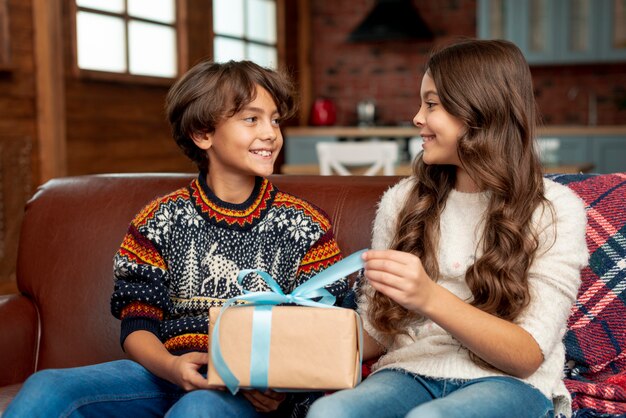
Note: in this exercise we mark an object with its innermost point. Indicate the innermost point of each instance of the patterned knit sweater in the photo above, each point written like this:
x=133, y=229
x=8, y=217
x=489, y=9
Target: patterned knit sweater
x=182, y=253
x=554, y=278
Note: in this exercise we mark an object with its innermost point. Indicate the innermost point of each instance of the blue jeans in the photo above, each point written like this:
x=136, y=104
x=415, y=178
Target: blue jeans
x=395, y=393
x=116, y=389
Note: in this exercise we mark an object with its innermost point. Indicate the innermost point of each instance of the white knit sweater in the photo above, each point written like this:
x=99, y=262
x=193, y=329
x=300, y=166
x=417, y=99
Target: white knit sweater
x=554, y=278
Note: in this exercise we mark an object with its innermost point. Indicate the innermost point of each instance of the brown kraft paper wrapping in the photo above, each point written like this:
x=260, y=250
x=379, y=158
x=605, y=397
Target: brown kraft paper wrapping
x=310, y=348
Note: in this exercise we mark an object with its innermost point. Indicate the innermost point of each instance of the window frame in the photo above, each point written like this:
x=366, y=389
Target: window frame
x=127, y=77
x=278, y=45
x=5, y=40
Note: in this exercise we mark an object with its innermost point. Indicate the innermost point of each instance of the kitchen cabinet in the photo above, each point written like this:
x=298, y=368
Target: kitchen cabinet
x=557, y=31
x=606, y=153
x=301, y=149
x=609, y=154
x=575, y=149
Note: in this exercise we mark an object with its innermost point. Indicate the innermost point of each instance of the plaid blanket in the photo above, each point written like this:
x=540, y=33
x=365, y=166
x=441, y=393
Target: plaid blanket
x=596, y=336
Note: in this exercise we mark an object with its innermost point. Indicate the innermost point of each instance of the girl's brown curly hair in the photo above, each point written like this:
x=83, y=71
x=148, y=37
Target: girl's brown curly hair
x=488, y=86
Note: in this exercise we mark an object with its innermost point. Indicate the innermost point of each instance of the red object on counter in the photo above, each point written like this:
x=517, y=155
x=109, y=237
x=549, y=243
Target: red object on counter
x=323, y=112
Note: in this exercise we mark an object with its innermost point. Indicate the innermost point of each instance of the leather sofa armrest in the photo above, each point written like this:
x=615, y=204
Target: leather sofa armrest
x=19, y=337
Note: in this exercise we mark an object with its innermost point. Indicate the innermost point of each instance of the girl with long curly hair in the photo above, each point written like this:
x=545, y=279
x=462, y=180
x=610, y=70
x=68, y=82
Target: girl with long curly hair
x=475, y=258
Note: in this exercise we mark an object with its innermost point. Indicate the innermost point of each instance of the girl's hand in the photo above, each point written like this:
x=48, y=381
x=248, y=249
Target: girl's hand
x=503, y=344
x=267, y=401
x=185, y=371
x=400, y=276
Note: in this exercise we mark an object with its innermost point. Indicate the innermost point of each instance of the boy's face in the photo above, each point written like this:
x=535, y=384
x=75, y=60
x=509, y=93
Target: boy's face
x=247, y=143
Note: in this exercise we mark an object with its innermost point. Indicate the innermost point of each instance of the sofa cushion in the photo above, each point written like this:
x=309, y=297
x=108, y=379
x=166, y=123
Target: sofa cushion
x=596, y=336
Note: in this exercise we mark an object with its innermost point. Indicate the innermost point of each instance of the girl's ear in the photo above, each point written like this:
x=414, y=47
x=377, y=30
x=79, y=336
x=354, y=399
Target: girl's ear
x=203, y=140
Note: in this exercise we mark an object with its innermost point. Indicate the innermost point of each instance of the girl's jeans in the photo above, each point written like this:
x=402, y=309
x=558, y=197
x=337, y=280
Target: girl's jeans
x=394, y=393
x=119, y=389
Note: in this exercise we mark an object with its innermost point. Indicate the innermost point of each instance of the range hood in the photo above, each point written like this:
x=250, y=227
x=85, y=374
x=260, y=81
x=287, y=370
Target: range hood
x=391, y=20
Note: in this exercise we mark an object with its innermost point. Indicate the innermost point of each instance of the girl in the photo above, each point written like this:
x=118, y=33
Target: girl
x=476, y=257
x=182, y=253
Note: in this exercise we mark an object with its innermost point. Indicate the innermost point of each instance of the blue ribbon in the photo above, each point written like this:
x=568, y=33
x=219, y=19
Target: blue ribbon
x=261, y=321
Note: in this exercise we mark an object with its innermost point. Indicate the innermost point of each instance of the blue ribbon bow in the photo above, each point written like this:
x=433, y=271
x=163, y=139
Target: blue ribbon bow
x=261, y=322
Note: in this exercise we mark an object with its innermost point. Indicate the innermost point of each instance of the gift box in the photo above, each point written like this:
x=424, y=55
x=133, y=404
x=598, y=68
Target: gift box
x=313, y=346
x=309, y=348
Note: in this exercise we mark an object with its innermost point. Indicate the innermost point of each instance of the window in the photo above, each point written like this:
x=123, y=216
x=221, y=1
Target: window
x=245, y=29
x=132, y=37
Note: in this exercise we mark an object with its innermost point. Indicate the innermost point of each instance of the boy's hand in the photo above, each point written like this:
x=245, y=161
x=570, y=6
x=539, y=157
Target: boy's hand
x=186, y=373
x=146, y=349
x=267, y=401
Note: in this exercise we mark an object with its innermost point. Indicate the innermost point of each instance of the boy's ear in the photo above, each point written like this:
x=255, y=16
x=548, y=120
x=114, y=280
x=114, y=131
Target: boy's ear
x=203, y=140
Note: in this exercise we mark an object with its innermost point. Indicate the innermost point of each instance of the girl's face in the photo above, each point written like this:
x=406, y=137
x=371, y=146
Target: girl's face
x=439, y=129
x=247, y=143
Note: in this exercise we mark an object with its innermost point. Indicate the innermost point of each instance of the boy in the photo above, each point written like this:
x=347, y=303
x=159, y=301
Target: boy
x=182, y=253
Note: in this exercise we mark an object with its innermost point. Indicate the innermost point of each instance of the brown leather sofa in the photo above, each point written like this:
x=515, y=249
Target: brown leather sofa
x=70, y=232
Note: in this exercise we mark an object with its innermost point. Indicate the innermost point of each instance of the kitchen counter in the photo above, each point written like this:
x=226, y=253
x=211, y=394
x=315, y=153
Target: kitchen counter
x=408, y=131
x=602, y=147
x=352, y=131
x=406, y=170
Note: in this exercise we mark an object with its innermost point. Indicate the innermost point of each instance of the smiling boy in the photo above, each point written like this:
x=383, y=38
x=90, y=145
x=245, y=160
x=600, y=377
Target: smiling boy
x=182, y=253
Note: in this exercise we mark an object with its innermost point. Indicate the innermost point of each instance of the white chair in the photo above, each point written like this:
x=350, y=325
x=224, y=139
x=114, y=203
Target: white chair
x=415, y=146
x=548, y=149
x=338, y=156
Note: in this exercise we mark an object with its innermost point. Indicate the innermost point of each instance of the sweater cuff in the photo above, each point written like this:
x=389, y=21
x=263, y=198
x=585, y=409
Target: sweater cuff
x=130, y=325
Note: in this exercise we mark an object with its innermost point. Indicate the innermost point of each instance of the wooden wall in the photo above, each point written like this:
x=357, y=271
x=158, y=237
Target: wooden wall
x=112, y=127
x=18, y=130
x=117, y=126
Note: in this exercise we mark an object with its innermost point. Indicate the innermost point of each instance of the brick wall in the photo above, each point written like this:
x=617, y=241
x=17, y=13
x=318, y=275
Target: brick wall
x=567, y=94
x=390, y=72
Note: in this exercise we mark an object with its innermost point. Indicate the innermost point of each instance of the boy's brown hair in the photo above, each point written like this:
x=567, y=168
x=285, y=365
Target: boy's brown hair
x=211, y=92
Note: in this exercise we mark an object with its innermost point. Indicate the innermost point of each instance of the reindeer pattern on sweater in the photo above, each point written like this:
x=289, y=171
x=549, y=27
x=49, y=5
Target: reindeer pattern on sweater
x=182, y=254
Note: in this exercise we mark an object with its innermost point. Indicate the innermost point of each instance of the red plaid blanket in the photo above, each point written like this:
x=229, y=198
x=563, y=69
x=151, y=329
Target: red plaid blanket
x=596, y=335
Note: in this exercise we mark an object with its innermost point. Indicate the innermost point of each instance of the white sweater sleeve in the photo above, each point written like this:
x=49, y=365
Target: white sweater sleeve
x=554, y=275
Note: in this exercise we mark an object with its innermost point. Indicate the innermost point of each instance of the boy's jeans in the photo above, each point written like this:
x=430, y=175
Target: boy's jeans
x=394, y=393
x=118, y=389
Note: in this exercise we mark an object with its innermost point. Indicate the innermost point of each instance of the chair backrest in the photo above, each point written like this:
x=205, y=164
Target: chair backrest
x=415, y=146
x=338, y=156
x=549, y=150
